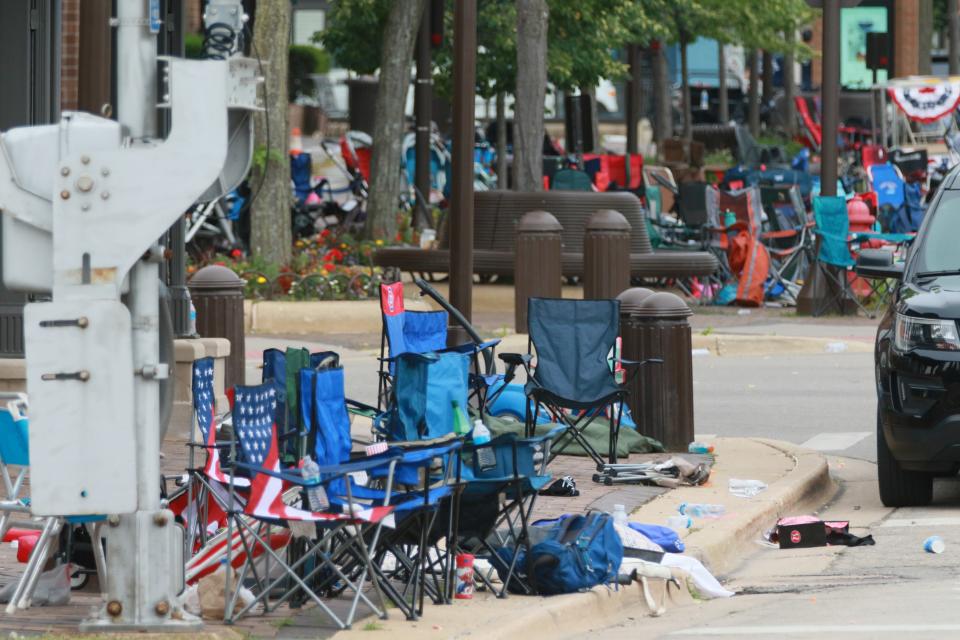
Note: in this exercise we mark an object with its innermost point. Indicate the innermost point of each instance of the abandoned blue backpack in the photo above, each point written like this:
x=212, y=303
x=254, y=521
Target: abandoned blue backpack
x=579, y=552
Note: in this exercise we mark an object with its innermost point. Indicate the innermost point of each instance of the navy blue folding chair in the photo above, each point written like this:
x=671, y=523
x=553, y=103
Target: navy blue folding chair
x=573, y=379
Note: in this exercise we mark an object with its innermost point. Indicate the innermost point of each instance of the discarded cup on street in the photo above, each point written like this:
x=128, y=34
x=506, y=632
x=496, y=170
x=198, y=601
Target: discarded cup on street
x=934, y=544
x=464, y=577
x=836, y=347
x=679, y=523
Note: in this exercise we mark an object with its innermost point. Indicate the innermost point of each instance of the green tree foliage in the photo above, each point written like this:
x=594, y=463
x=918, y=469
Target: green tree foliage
x=353, y=33
x=496, y=50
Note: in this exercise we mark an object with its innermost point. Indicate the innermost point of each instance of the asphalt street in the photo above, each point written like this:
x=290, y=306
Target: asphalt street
x=827, y=401
x=891, y=590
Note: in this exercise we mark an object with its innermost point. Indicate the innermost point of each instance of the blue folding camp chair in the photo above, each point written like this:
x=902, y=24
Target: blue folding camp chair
x=888, y=184
x=423, y=481
x=15, y=450
x=407, y=331
x=573, y=378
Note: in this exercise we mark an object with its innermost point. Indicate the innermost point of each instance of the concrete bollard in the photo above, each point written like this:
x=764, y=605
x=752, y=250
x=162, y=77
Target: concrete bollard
x=606, y=255
x=536, y=262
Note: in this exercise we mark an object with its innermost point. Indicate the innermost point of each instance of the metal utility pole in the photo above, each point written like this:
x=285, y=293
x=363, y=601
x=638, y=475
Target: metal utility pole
x=423, y=94
x=953, y=25
x=815, y=286
x=633, y=97
x=461, y=201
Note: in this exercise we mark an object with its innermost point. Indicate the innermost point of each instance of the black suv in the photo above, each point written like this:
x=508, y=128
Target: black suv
x=918, y=356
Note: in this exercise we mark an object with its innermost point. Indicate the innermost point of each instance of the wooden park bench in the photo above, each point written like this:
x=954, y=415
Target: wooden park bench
x=497, y=213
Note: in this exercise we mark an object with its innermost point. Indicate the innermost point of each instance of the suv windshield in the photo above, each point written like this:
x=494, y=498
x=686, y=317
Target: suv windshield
x=938, y=249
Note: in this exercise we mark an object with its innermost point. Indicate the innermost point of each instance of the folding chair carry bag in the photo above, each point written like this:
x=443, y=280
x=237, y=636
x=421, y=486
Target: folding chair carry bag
x=426, y=387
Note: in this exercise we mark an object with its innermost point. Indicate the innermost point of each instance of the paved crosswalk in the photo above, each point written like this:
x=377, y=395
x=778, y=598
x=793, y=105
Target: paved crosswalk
x=837, y=441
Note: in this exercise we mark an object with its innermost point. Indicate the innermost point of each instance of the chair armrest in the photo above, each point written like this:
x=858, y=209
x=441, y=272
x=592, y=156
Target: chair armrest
x=516, y=359
x=218, y=445
x=640, y=363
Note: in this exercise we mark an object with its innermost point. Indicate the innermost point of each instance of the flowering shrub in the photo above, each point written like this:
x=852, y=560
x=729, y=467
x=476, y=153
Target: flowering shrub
x=328, y=266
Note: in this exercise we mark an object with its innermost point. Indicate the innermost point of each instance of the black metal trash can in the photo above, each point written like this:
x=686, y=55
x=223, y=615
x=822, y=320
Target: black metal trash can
x=536, y=262
x=362, y=98
x=606, y=255
x=655, y=325
x=217, y=294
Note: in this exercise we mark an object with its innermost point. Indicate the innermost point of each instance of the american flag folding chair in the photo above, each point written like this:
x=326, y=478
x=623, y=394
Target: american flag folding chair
x=338, y=537
x=203, y=501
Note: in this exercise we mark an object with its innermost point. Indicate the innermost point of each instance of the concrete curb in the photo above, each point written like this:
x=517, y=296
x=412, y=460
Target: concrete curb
x=807, y=486
x=729, y=344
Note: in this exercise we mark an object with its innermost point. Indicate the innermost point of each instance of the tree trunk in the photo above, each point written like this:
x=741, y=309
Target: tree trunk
x=685, y=92
x=754, y=94
x=532, y=21
x=723, y=102
x=661, y=88
x=270, y=236
x=953, y=30
x=767, y=77
x=502, y=182
x=399, y=36
x=789, y=86
x=924, y=37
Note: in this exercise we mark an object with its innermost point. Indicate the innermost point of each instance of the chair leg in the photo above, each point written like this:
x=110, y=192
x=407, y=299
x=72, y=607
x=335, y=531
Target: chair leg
x=28, y=582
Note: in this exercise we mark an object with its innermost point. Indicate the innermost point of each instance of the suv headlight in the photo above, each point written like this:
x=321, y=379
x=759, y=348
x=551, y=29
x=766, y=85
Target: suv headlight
x=922, y=333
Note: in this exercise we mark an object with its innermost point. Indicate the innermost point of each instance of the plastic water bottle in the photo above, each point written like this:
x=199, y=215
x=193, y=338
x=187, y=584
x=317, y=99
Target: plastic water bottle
x=486, y=457
x=746, y=488
x=700, y=447
x=316, y=497
x=192, y=325
x=461, y=426
x=702, y=510
x=619, y=515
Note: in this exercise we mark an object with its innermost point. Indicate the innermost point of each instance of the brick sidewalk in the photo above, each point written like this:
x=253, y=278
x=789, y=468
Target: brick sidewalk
x=308, y=622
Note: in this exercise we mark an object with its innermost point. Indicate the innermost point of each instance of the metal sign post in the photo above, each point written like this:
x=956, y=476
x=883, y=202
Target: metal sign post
x=82, y=203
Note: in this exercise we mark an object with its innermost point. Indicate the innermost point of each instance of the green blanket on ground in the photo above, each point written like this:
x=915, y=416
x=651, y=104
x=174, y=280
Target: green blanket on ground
x=597, y=434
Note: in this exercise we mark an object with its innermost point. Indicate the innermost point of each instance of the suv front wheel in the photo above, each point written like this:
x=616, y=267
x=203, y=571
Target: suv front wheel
x=899, y=487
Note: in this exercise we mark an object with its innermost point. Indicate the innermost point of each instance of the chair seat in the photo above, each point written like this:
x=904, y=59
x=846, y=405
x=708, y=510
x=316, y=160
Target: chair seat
x=540, y=394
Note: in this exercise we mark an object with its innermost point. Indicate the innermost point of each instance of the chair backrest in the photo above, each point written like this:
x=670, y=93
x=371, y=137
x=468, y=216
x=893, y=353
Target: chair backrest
x=323, y=408
x=410, y=331
x=888, y=184
x=204, y=402
x=911, y=162
x=254, y=424
x=746, y=205
x=784, y=206
x=830, y=215
x=573, y=340
x=872, y=154
x=571, y=180
x=692, y=203
x=14, y=436
x=425, y=388
x=667, y=197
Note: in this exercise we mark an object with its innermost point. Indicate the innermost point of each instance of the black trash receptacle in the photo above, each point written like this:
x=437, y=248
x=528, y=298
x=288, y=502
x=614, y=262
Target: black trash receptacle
x=655, y=325
x=537, y=269
x=217, y=294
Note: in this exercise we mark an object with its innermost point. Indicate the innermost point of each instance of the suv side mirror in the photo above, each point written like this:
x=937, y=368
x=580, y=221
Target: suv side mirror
x=878, y=264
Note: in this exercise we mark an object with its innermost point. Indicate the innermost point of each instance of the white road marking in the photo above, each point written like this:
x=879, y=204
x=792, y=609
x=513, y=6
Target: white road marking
x=835, y=441
x=798, y=629
x=922, y=522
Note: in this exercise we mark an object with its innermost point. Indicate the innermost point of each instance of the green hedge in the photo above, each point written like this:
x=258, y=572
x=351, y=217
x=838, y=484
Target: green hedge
x=305, y=60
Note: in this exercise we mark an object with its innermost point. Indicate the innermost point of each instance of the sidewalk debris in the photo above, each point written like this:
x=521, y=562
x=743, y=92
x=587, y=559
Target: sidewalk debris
x=934, y=544
x=706, y=584
x=746, y=488
x=810, y=531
